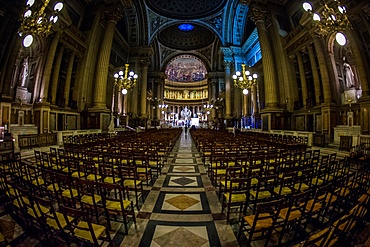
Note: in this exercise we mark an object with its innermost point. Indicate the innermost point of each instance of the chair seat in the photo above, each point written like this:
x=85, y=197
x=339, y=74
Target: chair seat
x=227, y=184
x=284, y=191
x=38, y=181
x=44, y=210
x=50, y=187
x=329, y=198
x=221, y=171
x=85, y=234
x=294, y=214
x=110, y=180
x=261, y=224
x=363, y=198
x=67, y=193
x=92, y=177
x=315, y=207
x=302, y=185
x=261, y=194
x=114, y=205
x=90, y=199
x=317, y=181
x=78, y=174
x=143, y=169
x=153, y=163
x=236, y=197
x=131, y=183
x=342, y=191
x=53, y=223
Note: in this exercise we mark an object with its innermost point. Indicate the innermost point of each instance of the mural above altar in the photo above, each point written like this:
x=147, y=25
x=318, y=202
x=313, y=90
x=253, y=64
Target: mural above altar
x=186, y=94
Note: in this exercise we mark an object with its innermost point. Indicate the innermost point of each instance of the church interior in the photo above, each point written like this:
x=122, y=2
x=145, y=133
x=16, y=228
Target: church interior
x=184, y=123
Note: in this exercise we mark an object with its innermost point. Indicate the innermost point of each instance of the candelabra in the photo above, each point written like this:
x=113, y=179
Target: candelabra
x=34, y=21
x=332, y=19
x=125, y=80
x=245, y=79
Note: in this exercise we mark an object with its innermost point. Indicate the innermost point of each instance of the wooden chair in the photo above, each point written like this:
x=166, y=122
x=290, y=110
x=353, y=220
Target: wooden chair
x=261, y=223
x=115, y=203
x=81, y=230
x=236, y=195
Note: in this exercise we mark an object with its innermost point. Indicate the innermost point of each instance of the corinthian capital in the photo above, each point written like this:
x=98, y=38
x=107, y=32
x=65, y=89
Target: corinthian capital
x=112, y=15
x=257, y=15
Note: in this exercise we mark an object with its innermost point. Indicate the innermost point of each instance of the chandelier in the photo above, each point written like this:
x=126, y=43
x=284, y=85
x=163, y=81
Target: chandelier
x=208, y=107
x=163, y=106
x=125, y=80
x=332, y=19
x=34, y=21
x=245, y=79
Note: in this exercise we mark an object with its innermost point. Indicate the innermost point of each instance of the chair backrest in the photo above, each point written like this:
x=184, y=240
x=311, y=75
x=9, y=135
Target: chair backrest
x=74, y=226
x=318, y=239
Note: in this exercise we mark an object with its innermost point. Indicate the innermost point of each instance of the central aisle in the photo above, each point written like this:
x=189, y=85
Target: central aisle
x=182, y=208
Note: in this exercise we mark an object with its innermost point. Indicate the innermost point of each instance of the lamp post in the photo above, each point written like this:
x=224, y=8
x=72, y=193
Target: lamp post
x=34, y=21
x=245, y=79
x=125, y=80
x=332, y=18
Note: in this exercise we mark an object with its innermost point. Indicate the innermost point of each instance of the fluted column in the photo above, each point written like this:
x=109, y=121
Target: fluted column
x=302, y=75
x=144, y=84
x=160, y=97
x=315, y=75
x=326, y=88
x=245, y=105
x=269, y=69
x=44, y=92
x=99, y=99
x=228, y=112
x=55, y=79
x=67, y=85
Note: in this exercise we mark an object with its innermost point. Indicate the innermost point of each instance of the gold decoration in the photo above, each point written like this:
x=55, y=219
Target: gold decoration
x=125, y=80
x=245, y=79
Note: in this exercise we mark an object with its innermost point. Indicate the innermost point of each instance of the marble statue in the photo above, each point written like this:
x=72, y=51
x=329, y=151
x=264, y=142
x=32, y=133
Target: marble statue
x=185, y=113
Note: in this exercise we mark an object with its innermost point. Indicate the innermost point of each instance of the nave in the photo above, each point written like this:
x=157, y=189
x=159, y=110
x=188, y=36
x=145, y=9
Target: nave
x=181, y=208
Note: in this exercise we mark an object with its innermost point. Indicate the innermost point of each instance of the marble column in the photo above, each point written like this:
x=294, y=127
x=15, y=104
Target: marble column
x=315, y=75
x=99, y=97
x=320, y=53
x=269, y=69
x=228, y=86
x=144, y=83
x=160, y=97
x=245, y=105
x=302, y=75
x=67, y=85
x=55, y=78
x=44, y=92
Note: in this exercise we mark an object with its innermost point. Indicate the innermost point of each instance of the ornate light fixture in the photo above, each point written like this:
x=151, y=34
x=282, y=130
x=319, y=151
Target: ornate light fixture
x=35, y=22
x=163, y=106
x=125, y=80
x=245, y=79
x=208, y=107
x=332, y=19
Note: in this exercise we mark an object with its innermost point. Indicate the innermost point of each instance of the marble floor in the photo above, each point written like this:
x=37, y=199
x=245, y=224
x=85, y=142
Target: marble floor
x=182, y=208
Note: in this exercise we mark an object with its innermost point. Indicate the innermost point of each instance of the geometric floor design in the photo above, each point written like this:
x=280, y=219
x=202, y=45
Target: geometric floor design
x=182, y=209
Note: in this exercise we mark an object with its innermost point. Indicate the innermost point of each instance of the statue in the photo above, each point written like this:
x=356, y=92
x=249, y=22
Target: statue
x=24, y=73
x=185, y=113
x=349, y=76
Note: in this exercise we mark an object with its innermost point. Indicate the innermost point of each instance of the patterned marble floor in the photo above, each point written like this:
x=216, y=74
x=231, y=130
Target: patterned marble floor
x=182, y=208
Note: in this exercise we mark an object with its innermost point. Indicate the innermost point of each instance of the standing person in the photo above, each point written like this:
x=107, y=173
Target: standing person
x=234, y=131
x=186, y=129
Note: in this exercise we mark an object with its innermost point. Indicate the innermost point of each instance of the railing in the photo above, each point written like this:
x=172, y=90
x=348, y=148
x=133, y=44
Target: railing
x=37, y=140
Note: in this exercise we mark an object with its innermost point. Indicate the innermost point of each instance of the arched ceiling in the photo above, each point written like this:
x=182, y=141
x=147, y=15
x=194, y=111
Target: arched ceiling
x=186, y=10
x=196, y=38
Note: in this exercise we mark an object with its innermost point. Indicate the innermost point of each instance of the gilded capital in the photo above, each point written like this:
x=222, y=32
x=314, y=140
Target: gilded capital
x=112, y=15
x=258, y=15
